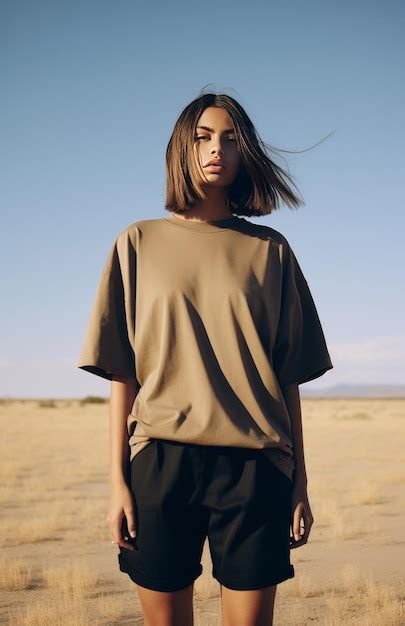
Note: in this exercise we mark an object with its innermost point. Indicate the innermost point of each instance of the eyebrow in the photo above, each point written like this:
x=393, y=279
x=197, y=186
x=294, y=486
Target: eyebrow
x=211, y=130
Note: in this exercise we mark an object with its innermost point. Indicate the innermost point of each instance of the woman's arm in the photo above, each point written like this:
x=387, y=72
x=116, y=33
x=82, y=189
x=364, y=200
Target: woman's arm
x=123, y=393
x=301, y=509
x=292, y=399
x=121, y=514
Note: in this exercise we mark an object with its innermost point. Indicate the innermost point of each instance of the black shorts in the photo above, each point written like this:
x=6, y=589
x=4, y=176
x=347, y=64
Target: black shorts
x=184, y=493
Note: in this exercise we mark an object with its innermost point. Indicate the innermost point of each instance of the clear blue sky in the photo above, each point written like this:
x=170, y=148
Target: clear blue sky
x=90, y=94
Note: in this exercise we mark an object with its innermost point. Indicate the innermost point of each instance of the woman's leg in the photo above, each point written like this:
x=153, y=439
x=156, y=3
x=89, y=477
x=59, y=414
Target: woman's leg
x=166, y=559
x=248, y=608
x=161, y=608
x=248, y=532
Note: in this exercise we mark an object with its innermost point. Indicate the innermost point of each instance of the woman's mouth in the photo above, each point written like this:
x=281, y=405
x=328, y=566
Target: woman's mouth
x=215, y=168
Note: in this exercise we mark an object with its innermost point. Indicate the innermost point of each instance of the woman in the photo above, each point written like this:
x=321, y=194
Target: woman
x=205, y=325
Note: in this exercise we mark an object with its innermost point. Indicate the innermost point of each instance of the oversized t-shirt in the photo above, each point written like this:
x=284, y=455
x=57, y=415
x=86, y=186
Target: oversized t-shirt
x=212, y=318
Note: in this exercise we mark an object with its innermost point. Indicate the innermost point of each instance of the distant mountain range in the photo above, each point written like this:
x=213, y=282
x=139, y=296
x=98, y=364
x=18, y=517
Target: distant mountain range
x=355, y=391
x=337, y=391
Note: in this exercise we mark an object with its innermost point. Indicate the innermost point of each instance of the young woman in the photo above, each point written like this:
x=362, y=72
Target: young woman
x=205, y=325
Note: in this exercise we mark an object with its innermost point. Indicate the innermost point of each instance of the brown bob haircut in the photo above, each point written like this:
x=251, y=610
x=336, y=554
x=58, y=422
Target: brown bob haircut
x=260, y=184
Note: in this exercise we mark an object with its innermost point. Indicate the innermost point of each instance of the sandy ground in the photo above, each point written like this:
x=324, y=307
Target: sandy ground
x=59, y=566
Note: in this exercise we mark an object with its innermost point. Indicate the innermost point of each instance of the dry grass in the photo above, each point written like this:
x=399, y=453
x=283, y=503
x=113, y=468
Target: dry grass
x=357, y=598
x=47, y=612
x=380, y=602
x=58, y=565
x=15, y=574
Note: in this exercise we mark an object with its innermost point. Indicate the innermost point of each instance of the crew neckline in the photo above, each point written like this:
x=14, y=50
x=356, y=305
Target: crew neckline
x=204, y=226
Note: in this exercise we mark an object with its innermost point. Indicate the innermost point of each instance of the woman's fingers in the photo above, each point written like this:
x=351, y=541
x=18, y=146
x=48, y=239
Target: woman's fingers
x=121, y=516
x=129, y=513
x=120, y=532
x=125, y=539
x=297, y=521
x=300, y=531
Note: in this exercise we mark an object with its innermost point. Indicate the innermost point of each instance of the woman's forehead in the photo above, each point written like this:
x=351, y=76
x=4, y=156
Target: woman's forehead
x=213, y=117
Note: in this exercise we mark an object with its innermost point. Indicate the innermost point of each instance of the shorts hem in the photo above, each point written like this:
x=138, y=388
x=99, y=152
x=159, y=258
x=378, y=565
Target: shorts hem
x=239, y=585
x=156, y=585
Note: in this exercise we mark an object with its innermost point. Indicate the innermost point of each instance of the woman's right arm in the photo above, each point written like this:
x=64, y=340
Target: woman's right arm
x=123, y=393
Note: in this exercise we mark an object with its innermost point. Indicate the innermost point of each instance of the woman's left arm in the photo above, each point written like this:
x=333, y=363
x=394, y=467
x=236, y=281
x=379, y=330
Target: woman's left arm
x=292, y=399
x=300, y=504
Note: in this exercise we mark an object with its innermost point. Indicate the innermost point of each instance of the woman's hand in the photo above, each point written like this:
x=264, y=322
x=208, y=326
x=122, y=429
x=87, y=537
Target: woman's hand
x=300, y=511
x=121, y=514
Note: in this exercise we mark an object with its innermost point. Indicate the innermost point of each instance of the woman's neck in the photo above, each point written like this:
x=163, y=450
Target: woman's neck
x=215, y=207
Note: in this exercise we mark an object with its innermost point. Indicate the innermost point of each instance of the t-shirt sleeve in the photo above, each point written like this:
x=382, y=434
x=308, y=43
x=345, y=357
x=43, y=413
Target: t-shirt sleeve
x=108, y=346
x=300, y=352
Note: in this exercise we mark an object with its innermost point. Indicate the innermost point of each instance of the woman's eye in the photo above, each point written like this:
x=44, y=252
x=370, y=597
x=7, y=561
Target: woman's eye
x=205, y=137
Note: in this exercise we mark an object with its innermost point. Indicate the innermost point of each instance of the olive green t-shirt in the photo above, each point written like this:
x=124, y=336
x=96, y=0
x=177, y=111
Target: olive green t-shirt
x=212, y=318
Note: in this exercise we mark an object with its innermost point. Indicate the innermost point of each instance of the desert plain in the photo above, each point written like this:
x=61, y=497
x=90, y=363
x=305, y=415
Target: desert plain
x=58, y=565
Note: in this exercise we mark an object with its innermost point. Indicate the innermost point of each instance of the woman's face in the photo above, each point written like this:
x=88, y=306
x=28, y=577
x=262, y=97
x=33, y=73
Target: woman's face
x=215, y=140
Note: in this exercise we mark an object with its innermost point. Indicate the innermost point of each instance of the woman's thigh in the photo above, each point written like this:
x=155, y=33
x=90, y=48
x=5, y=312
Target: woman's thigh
x=170, y=532
x=167, y=608
x=248, y=607
x=249, y=525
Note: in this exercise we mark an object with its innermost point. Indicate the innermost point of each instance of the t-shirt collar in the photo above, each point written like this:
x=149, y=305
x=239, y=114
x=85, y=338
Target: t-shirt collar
x=206, y=225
